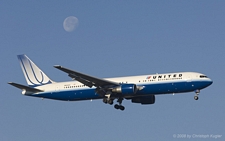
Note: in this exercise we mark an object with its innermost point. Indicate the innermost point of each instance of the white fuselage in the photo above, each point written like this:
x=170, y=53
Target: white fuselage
x=150, y=84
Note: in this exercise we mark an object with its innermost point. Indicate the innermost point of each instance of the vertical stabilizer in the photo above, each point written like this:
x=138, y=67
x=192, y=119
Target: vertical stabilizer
x=34, y=76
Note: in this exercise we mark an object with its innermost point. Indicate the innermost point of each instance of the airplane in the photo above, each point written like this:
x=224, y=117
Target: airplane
x=140, y=89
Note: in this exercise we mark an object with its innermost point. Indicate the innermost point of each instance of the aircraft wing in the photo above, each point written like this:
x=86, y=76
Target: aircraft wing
x=87, y=79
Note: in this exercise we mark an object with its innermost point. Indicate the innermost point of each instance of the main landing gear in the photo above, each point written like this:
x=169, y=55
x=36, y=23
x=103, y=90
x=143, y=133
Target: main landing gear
x=116, y=106
x=196, y=94
x=119, y=106
x=109, y=100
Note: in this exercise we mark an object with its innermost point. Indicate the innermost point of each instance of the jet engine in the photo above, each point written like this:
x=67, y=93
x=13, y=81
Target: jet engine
x=125, y=89
x=144, y=99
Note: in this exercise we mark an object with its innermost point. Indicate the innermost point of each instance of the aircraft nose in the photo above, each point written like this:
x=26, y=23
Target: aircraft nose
x=210, y=81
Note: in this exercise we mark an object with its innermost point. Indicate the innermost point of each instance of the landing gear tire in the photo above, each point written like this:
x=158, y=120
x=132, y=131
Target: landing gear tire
x=119, y=107
x=105, y=100
x=110, y=102
x=196, y=97
x=122, y=108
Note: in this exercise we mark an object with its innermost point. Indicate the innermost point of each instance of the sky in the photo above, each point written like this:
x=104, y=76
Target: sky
x=113, y=38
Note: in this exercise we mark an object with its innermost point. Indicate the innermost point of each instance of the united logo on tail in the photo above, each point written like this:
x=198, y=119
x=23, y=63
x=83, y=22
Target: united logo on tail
x=34, y=76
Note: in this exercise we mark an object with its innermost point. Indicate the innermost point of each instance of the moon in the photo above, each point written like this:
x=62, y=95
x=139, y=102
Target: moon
x=70, y=23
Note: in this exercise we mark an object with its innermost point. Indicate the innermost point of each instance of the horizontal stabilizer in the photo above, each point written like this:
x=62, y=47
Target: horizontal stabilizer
x=26, y=88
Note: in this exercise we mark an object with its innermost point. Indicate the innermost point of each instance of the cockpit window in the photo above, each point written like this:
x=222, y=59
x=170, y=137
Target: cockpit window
x=203, y=76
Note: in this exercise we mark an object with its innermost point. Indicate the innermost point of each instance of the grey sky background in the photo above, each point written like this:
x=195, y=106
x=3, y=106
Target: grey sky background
x=113, y=38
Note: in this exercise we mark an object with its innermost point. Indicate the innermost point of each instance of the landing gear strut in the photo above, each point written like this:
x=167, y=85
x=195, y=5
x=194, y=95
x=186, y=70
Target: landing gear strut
x=196, y=94
x=119, y=106
x=109, y=100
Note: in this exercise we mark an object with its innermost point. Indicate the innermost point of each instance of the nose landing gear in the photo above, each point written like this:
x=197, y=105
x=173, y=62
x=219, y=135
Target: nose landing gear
x=196, y=94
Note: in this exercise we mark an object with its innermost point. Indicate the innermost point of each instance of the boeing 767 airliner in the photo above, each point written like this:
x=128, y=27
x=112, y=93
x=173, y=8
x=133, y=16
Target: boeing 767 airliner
x=139, y=89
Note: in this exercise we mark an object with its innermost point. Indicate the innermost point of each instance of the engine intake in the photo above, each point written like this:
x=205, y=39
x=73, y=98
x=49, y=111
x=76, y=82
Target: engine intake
x=125, y=89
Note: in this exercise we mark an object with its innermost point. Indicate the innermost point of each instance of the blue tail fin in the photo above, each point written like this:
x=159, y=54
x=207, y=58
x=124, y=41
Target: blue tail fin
x=34, y=76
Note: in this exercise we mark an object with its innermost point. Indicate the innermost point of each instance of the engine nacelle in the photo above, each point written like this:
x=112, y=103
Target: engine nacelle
x=125, y=89
x=144, y=99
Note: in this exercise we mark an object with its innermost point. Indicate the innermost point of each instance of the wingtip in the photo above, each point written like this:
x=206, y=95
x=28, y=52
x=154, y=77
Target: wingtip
x=57, y=66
